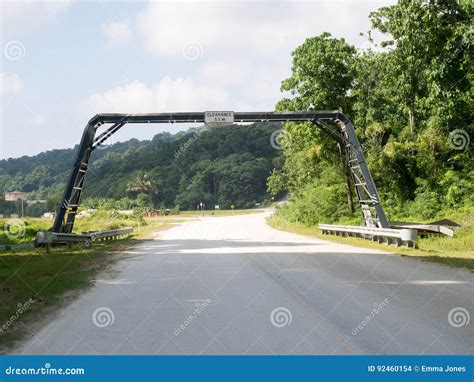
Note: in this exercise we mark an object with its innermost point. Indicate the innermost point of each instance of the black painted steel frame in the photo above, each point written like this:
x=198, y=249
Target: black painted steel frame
x=369, y=201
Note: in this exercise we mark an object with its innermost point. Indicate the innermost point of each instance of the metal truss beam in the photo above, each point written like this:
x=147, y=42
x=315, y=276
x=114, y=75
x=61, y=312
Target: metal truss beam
x=371, y=209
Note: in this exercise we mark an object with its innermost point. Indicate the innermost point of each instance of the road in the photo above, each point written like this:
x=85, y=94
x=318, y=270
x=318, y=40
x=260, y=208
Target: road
x=233, y=285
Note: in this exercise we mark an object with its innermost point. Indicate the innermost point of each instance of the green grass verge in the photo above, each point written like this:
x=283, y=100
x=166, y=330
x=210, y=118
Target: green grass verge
x=23, y=230
x=35, y=283
x=457, y=251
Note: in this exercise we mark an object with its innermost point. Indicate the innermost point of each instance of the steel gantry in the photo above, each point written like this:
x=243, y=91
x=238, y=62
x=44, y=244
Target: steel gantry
x=371, y=209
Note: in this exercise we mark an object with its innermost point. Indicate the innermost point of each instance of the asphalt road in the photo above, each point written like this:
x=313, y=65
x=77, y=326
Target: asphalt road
x=233, y=285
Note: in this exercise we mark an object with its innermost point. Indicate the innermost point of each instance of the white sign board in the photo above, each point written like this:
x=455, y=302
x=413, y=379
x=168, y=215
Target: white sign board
x=219, y=117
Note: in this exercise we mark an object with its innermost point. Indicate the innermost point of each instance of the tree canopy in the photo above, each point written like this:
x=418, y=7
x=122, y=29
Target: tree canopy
x=410, y=98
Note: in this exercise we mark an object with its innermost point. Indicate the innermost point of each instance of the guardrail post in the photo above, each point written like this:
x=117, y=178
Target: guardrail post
x=408, y=234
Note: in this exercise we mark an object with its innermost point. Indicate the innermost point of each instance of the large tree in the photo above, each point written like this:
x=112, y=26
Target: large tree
x=410, y=99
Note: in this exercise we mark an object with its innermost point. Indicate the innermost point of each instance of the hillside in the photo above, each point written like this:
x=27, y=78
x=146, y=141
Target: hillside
x=223, y=166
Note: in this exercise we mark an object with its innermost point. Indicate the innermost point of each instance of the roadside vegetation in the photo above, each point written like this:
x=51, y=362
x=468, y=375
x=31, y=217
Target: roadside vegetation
x=23, y=230
x=456, y=251
x=35, y=283
x=411, y=101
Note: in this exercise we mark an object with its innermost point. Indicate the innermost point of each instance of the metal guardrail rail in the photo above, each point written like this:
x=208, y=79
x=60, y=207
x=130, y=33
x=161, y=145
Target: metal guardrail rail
x=109, y=234
x=397, y=237
x=50, y=238
x=430, y=228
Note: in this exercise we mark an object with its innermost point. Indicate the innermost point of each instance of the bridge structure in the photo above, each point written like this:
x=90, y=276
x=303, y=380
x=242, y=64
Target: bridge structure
x=334, y=123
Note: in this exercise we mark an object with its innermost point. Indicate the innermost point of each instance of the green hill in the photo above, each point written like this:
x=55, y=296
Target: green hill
x=223, y=166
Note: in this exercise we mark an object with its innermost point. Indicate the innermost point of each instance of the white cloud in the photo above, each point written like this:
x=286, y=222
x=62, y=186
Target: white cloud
x=117, y=33
x=219, y=27
x=246, y=46
x=169, y=95
x=248, y=28
x=21, y=17
x=10, y=84
x=219, y=71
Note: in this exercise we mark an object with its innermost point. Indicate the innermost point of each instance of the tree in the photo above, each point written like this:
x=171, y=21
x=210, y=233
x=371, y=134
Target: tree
x=422, y=35
x=412, y=104
x=322, y=77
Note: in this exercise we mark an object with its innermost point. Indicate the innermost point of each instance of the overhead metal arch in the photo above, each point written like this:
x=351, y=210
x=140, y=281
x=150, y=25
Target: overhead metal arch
x=371, y=209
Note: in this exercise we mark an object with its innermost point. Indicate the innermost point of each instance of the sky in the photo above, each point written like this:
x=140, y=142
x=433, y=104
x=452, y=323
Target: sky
x=64, y=61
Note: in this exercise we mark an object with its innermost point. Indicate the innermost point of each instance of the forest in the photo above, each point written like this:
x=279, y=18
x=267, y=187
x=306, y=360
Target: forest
x=218, y=166
x=410, y=98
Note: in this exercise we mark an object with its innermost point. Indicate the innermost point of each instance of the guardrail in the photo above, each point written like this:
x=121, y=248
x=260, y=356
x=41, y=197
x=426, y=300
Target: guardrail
x=109, y=234
x=397, y=237
x=49, y=238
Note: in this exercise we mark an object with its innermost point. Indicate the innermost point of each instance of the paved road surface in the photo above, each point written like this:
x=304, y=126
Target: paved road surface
x=233, y=285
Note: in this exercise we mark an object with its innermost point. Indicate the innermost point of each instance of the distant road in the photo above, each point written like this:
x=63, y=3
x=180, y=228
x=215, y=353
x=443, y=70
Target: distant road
x=233, y=285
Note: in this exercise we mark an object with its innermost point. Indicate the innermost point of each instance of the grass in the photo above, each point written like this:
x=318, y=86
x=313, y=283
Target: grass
x=45, y=278
x=34, y=283
x=457, y=251
x=23, y=230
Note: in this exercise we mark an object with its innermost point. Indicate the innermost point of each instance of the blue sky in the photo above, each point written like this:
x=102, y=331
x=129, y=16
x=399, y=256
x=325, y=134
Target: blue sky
x=64, y=61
